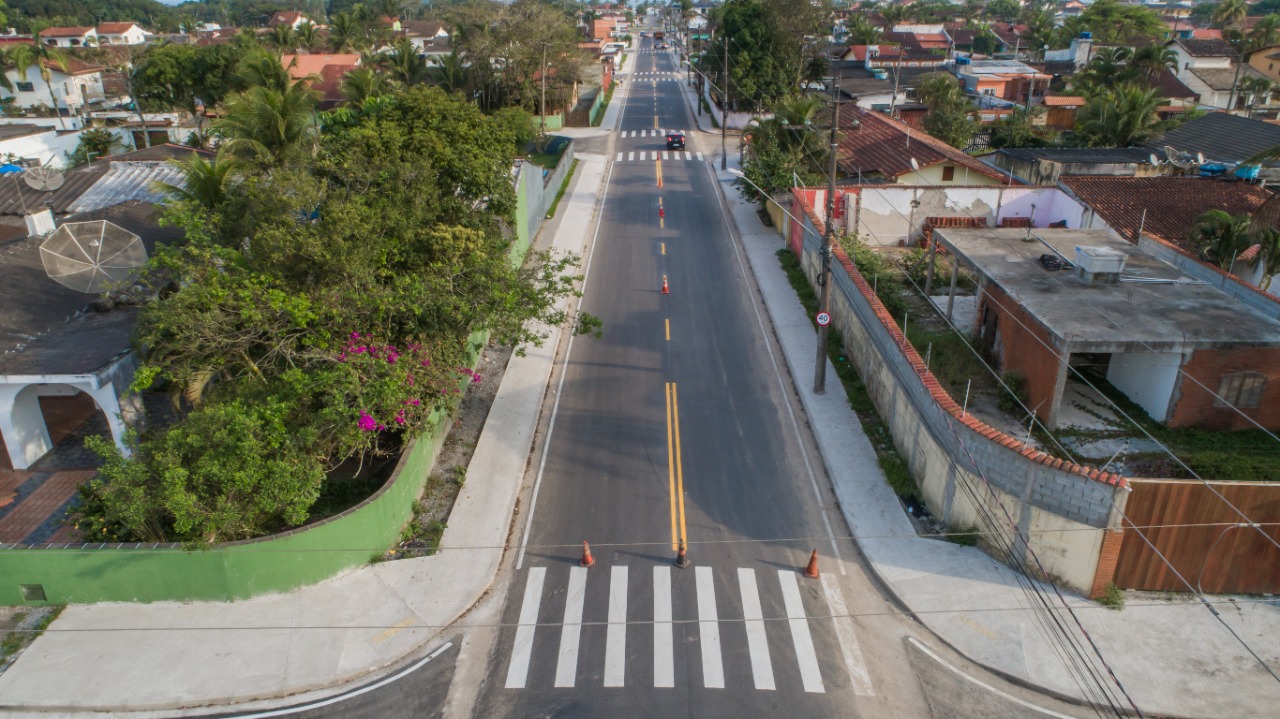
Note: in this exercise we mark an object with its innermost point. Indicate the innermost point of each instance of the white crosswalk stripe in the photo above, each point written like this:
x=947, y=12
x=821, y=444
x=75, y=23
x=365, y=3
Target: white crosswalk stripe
x=686, y=603
x=709, y=630
x=571, y=631
x=757, y=644
x=518, y=670
x=615, y=646
x=805, y=655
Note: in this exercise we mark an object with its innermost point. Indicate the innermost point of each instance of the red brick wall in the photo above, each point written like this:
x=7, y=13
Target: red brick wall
x=1108, y=556
x=1194, y=405
x=1023, y=348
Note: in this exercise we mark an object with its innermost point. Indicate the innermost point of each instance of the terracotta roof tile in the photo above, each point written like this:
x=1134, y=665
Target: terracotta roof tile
x=1171, y=204
x=885, y=146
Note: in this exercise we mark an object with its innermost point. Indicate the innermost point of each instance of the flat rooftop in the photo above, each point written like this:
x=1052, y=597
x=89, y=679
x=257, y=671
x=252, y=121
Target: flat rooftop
x=1135, y=314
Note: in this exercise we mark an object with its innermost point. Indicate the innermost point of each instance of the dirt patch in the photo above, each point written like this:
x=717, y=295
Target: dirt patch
x=431, y=513
x=19, y=626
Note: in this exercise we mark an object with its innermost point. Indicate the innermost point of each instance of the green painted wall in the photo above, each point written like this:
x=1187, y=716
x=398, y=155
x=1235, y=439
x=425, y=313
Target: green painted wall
x=280, y=563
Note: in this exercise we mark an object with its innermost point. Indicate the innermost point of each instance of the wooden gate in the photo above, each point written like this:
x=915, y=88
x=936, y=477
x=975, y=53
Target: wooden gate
x=1200, y=535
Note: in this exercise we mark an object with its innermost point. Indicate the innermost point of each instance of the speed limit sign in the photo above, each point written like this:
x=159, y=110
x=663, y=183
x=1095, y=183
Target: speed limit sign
x=824, y=319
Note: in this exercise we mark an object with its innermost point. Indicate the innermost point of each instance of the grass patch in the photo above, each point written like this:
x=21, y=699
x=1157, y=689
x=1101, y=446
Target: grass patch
x=1112, y=598
x=608, y=97
x=949, y=356
x=551, y=212
x=896, y=472
x=19, y=638
x=547, y=160
x=964, y=537
x=706, y=107
x=1229, y=455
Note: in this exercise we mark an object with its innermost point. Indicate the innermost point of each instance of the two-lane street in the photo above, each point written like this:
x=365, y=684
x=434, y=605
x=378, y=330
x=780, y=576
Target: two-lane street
x=678, y=425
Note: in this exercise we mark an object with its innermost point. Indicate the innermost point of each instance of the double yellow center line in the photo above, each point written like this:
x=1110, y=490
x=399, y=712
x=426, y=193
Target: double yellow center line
x=675, y=473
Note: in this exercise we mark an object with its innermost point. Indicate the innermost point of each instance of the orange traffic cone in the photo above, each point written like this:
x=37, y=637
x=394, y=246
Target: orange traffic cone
x=682, y=561
x=587, y=559
x=811, y=571
x=661, y=212
x=666, y=290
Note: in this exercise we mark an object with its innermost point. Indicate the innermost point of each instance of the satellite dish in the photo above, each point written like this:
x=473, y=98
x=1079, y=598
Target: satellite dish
x=1154, y=160
x=43, y=178
x=90, y=256
x=1200, y=158
x=915, y=165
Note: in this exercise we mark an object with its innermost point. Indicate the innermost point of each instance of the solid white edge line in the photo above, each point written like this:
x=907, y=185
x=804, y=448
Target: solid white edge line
x=568, y=350
x=858, y=675
x=522, y=646
x=571, y=629
x=1040, y=711
x=801, y=638
x=777, y=373
x=753, y=621
x=350, y=695
x=709, y=629
x=663, y=630
x=615, y=643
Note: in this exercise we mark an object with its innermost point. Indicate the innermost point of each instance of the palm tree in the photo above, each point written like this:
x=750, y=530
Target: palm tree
x=1256, y=89
x=1151, y=61
x=363, y=83
x=404, y=63
x=1105, y=69
x=1265, y=33
x=203, y=182
x=43, y=57
x=282, y=38
x=306, y=37
x=266, y=126
x=1268, y=256
x=262, y=68
x=1229, y=12
x=1220, y=237
x=451, y=71
x=344, y=32
x=860, y=31
x=1119, y=116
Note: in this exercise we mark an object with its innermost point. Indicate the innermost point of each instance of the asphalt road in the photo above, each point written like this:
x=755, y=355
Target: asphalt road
x=677, y=425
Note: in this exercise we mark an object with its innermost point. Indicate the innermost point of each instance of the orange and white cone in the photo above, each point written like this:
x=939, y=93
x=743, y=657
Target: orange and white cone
x=587, y=559
x=666, y=289
x=811, y=571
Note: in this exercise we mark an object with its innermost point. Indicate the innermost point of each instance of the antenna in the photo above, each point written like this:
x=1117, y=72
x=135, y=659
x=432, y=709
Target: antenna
x=1153, y=159
x=89, y=257
x=44, y=178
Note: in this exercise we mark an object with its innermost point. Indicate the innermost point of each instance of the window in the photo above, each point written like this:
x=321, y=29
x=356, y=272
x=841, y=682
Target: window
x=948, y=173
x=1242, y=389
x=25, y=87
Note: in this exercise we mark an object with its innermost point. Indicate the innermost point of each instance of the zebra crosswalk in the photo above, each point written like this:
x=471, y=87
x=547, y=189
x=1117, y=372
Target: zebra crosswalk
x=647, y=75
x=645, y=133
x=651, y=156
x=762, y=612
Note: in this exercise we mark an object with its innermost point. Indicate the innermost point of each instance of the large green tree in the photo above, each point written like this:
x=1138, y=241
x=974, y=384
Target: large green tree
x=1119, y=116
x=950, y=117
x=1112, y=22
x=769, y=52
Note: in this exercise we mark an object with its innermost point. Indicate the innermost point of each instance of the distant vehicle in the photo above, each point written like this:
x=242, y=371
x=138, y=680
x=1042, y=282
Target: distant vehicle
x=661, y=46
x=659, y=35
x=675, y=140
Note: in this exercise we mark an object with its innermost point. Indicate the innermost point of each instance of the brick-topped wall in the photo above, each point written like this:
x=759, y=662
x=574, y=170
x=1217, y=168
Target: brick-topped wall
x=959, y=462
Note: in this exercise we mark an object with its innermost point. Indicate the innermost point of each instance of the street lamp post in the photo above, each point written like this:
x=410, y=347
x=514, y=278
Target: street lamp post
x=543, y=116
x=724, y=116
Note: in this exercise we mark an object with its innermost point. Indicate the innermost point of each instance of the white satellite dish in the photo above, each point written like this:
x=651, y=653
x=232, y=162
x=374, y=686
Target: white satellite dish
x=43, y=178
x=1153, y=159
x=915, y=165
x=91, y=256
x=1200, y=158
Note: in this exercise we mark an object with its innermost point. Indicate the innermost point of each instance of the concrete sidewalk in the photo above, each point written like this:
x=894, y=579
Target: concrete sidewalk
x=277, y=650
x=1171, y=655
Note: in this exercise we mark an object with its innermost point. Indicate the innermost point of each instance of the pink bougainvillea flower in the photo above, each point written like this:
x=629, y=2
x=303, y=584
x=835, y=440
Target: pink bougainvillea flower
x=367, y=422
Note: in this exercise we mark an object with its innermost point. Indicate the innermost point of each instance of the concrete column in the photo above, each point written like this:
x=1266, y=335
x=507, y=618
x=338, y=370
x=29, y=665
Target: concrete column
x=1059, y=388
x=22, y=425
x=933, y=258
x=951, y=293
x=110, y=404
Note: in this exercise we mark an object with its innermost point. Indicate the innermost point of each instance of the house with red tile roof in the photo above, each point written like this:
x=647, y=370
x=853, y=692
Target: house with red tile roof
x=69, y=36
x=288, y=17
x=324, y=72
x=876, y=146
x=121, y=33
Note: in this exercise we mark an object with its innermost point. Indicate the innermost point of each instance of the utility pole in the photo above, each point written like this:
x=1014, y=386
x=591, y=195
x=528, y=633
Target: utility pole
x=543, y=116
x=824, y=281
x=724, y=116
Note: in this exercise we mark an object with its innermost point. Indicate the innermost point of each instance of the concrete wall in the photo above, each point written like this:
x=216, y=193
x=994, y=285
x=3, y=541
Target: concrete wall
x=950, y=451
x=737, y=120
x=536, y=189
x=883, y=214
x=1147, y=378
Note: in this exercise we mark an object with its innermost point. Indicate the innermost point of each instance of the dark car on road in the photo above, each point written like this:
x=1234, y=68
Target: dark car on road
x=675, y=140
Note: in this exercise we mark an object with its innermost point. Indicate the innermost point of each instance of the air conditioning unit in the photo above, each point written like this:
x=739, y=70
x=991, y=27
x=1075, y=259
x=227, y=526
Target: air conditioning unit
x=1099, y=265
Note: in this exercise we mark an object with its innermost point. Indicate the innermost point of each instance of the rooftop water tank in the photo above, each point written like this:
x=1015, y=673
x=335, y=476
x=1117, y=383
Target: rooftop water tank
x=1086, y=35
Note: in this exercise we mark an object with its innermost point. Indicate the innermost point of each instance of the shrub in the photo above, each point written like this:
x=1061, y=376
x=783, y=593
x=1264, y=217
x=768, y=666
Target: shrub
x=1014, y=393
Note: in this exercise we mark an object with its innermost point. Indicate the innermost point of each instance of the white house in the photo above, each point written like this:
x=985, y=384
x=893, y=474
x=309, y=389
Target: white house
x=74, y=87
x=32, y=144
x=288, y=17
x=69, y=36
x=425, y=34
x=121, y=33
x=1209, y=69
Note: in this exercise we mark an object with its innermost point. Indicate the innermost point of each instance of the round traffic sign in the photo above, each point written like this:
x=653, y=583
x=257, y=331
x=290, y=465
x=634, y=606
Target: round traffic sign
x=824, y=319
